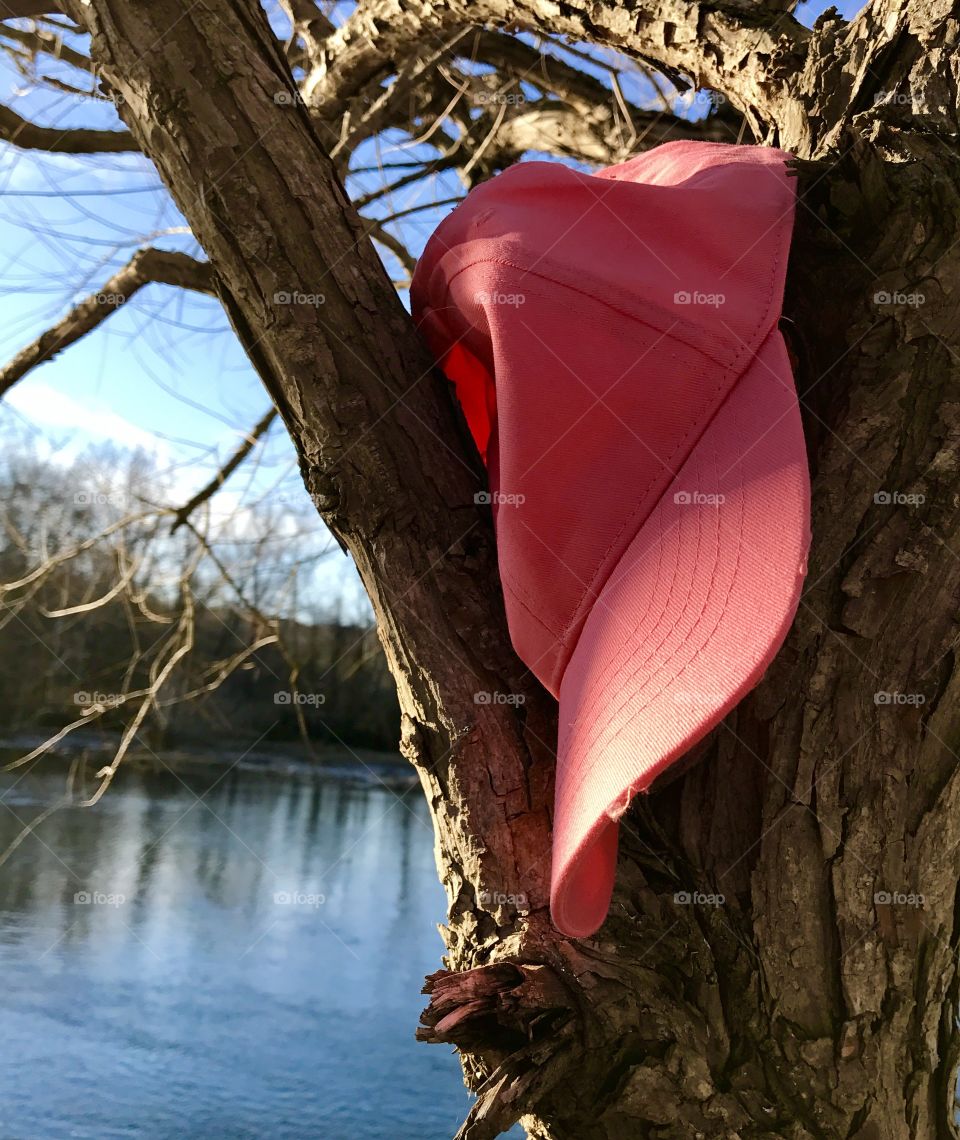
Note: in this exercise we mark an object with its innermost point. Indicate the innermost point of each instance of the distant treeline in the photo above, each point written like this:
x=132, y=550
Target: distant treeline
x=109, y=618
x=342, y=694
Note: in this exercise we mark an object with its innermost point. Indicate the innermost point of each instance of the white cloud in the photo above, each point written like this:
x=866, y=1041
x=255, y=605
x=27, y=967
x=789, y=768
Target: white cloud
x=68, y=426
x=87, y=420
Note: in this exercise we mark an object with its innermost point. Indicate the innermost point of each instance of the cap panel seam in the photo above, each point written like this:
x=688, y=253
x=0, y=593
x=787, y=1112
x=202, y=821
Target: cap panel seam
x=668, y=325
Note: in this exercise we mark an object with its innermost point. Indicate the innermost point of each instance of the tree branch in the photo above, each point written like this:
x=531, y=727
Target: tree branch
x=207, y=492
x=750, y=54
x=18, y=9
x=146, y=266
x=310, y=25
x=41, y=40
x=74, y=140
x=395, y=245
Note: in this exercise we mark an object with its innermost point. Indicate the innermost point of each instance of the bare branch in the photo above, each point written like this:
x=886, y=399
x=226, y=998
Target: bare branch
x=445, y=162
x=411, y=73
x=397, y=248
x=146, y=266
x=17, y=9
x=158, y=677
x=77, y=140
x=42, y=41
x=207, y=492
x=749, y=53
x=582, y=118
x=310, y=26
x=126, y=576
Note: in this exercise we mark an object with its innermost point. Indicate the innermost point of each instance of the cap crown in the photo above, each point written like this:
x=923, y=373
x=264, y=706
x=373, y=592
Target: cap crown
x=593, y=324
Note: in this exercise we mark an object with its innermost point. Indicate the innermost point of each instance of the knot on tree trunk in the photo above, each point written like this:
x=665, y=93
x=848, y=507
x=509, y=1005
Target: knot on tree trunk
x=518, y=1021
x=493, y=1007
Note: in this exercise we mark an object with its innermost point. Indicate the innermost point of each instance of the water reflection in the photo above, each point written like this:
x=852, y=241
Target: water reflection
x=242, y=960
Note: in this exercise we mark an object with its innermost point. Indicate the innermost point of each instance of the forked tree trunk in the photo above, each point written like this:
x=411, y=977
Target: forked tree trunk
x=805, y=1005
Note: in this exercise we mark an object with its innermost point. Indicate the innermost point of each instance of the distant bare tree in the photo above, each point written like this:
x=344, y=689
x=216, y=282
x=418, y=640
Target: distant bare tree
x=112, y=623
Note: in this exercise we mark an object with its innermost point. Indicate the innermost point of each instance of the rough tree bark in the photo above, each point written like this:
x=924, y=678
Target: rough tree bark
x=806, y=1006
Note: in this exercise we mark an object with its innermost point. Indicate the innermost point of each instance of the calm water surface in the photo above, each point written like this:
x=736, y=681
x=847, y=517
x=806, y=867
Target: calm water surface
x=248, y=965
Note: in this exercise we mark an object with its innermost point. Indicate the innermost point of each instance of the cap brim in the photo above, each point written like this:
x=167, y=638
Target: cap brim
x=685, y=626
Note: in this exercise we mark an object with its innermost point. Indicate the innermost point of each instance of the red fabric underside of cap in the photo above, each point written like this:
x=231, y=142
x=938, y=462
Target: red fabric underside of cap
x=475, y=392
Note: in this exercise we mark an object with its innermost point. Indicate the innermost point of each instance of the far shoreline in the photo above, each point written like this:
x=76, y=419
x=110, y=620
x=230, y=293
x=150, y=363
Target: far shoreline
x=285, y=758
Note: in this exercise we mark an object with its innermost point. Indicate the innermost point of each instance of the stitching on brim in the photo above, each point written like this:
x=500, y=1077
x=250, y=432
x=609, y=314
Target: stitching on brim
x=596, y=738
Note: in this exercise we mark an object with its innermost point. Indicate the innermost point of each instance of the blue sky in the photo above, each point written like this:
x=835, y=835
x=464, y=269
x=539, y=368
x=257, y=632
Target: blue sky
x=165, y=372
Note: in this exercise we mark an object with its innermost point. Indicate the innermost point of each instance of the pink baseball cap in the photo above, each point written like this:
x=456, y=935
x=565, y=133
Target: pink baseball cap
x=613, y=341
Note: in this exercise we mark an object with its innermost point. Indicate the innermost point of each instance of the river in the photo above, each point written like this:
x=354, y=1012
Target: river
x=234, y=956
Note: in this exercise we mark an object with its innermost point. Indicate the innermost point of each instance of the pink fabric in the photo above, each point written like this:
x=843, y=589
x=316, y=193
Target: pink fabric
x=613, y=341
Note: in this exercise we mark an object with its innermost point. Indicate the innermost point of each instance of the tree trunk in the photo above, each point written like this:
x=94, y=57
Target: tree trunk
x=818, y=999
